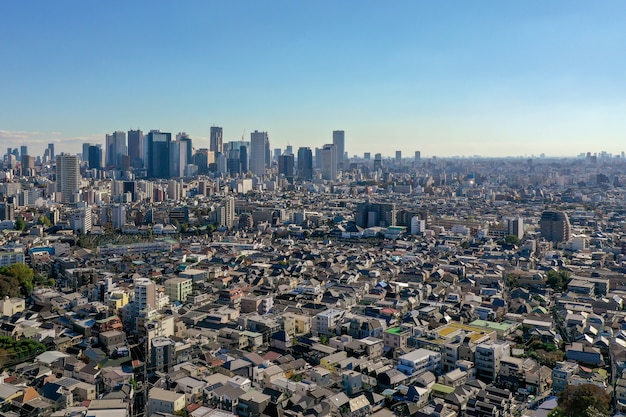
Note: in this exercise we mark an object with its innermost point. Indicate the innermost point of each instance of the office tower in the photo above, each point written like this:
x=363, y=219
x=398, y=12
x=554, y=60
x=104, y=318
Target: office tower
x=233, y=163
x=51, y=156
x=328, y=155
x=28, y=163
x=378, y=161
x=68, y=176
x=115, y=146
x=289, y=150
x=201, y=160
x=418, y=156
x=23, y=150
x=216, y=143
x=555, y=226
x=318, y=158
x=515, y=227
x=243, y=158
x=305, y=164
x=375, y=214
x=179, y=151
x=158, y=162
x=84, y=156
x=367, y=156
x=135, y=148
x=184, y=137
x=277, y=153
x=398, y=157
x=259, y=148
x=285, y=166
x=94, y=157
x=339, y=142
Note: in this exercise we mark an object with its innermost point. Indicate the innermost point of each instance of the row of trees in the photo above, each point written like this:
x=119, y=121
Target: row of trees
x=11, y=349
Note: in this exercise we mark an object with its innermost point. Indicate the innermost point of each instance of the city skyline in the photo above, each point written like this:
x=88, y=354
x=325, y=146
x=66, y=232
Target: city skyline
x=491, y=79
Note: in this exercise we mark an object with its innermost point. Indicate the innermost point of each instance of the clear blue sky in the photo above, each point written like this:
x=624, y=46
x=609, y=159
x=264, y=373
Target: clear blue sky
x=444, y=77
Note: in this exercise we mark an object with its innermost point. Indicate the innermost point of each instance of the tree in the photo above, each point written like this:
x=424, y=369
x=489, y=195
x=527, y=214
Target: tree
x=43, y=220
x=557, y=280
x=16, y=280
x=586, y=400
x=20, y=224
x=512, y=240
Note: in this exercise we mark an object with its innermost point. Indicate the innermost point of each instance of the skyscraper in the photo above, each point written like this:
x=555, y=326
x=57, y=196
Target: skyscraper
x=135, y=148
x=285, y=166
x=94, y=157
x=115, y=148
x=259, y=147
x=23, y=150
x=305, y=164
x=158, y=154
x=51, y=156
x=216, y=144
x=184, y=137
x=328, y=156
x=339, y=142
x=398, y=157
x=418, y=156
x=68, y=176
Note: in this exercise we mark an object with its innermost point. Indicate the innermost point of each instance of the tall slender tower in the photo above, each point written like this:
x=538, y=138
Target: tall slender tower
x=259, y=146
x=305, y=164
x=339, y=140
x=217, y=143
x=135, y=148
x=68, y=176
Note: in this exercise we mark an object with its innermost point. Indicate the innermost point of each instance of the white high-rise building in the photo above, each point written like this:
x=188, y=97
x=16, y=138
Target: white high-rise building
x=118, y=214
x=417, y=226
x=145, y=295
x=259, y=145
x=68, y=176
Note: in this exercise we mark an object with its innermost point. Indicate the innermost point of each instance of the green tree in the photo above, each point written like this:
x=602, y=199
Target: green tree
x=20, y=224
x=586, y=400
x=512, y=240
x=43, y=220
x=16, y=280
x=557, y=280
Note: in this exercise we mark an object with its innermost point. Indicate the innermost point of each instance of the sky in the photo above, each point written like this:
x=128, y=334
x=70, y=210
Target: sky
x=490, y=78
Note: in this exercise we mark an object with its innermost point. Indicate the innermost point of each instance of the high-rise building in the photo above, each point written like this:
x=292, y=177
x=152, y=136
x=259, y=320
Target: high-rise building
x=145, y=295
x=339, y=142
x=305, y=164
x=367, y=156
x=158, y=162
x=23, y=150
x=418, y=156
x=285, y=166
x=216, y=144
x=328, y=156
x=515, y=227
x=28, y=163
x=184, y=137
x=94, y=157
x=115, y=148
x=135, y=148
x=555, y=226
x=68, y=176
x=51, y=156
x=289, y=150
x=226, y=212
x=259, y=148
x=375, y=214
x=398, y=157
x=179, y=152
